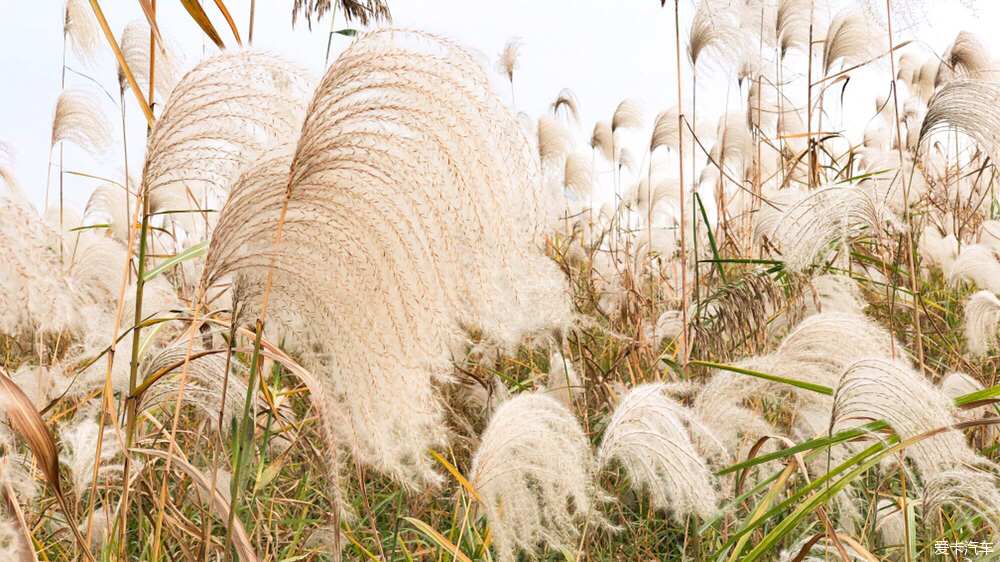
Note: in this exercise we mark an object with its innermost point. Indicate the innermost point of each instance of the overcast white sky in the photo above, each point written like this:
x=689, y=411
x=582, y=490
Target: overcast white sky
x=604, y=50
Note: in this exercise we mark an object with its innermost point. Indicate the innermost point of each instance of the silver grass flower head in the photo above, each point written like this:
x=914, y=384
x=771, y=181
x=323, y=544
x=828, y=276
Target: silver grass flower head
x=206, y=378
x=79, y=119
x=973, y=492
x=562, y=382
x=976, y=264
x=810, y=223
x=989, y=234
x=666, y=130
x=578, y=176
x=982, y=323
x=554, y=141
x=36, y=298
x=602, y=141
x=874, y=389
x=852, y=38
x=107, y=205
x=79, y=453
x=967, y=104
x=648, y=435
x=566, y=105
x=134, y=45
x=967, y=55
x=938, y=250
x=716, y=33
x=220, y=115
x=628, y=115
x=508, y=61
x=401, y=129
x=361, y=11
x=82, y=31
x=534, y=472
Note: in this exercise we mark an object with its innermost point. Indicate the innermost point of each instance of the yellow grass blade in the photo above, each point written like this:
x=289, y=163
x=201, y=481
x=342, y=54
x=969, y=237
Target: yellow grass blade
x=146, y=110
x=198, y=14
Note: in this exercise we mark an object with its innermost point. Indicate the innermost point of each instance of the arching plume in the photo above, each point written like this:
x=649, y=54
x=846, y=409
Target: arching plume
x=648, y=433
x=966, y=56
x=82, y=31
x=982, y=323
x=221, y=114
x=554, y=141
x=601, y=140
x=411, y=208
x=566, y=105
x=534, y=472
x=810, y=223
x=852, y=38
x=578, y=176
x=80, y=120
x=968, y=105
x=134, y=44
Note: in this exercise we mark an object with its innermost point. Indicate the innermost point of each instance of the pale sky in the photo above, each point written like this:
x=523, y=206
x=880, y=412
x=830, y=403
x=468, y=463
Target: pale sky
x=604, y=50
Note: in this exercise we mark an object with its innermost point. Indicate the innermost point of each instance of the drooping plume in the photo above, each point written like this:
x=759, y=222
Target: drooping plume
x=80, y=120
x=649, y=435
x=82, y=31
x=410, y=209
x=221, y=115
x=534, y=472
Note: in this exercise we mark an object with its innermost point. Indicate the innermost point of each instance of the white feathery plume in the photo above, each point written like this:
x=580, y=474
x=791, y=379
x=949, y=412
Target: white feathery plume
x=724, y=405
x=668, y=326
x=554, y=141
x=837, y=293
x=578, y=176
x=977, y=264
x=734, y=147
x=134, y=45
x=791, y=26
x=566, y=104
x=562, y=382
x=649, y=203
x=890, y=523
x=967, y=104
x=982, y=323
x=206, y=378
x=412, y=209
x=601, y=140
x=648, y=435
x=852, y=38
x=81, y=28
x=874, y=389
x=36, y=297
x=534, y=472
x=107, y=205
x=79, y=119
x=666, y=130
x=972, y=491
x=507, y=62
x=810, y=223
x=219, y=116
x=967, y=55
x=716, y=32
x=957, y=384
x=989, y=234
x=79, y=453
x=628, y=115
x=938, y=250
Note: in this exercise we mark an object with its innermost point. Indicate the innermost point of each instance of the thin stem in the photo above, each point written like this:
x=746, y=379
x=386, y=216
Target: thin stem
x=907, y=216
x=684, y=347
x=253, y=9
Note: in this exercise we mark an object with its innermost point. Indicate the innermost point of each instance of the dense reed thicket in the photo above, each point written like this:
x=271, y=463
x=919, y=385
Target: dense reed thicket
x=376, y=315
